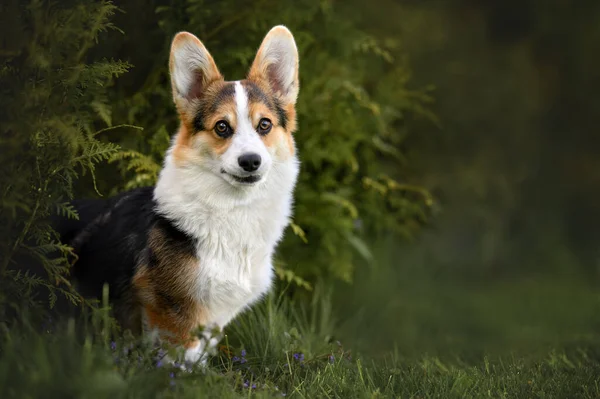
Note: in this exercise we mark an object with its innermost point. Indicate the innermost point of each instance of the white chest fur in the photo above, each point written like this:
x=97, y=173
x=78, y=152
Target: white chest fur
x=236, y=228
x=234, y=253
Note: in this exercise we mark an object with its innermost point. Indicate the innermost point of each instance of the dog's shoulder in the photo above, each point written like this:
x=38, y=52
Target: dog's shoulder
x=109, y=238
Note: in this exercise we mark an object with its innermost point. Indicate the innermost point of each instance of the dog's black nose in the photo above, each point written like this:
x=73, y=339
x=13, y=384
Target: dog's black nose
x=249, y=162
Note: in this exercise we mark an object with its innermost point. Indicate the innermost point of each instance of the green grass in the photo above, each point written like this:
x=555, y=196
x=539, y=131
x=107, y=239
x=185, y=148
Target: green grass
x=292, y=350
x=397, y=331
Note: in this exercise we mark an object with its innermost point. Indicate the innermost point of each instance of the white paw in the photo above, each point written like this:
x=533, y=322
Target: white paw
x=206, y=346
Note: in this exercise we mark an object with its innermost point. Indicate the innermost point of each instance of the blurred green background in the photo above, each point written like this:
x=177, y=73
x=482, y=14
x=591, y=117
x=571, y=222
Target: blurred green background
x=448, y=200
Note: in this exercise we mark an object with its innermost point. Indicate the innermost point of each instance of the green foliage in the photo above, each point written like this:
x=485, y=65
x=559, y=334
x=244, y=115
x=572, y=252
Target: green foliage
x=489, y=102
x=52, y=104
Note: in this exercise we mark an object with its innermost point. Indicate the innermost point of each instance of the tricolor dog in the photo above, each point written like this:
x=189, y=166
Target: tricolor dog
x=197, y=248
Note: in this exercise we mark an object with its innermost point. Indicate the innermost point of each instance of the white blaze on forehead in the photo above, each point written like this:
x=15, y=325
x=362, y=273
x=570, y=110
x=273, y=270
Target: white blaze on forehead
x=244, y=127
x=241, y=101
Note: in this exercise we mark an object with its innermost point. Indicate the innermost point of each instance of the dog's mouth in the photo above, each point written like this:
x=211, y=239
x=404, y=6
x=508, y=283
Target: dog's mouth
x=243, y=179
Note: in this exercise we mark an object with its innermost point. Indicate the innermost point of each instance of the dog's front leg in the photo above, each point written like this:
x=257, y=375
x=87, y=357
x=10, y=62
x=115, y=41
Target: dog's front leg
x=203, y=346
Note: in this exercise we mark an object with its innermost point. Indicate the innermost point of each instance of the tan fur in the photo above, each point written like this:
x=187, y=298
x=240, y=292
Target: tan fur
x=209, y=139
x=278, y=135
x=163, y=291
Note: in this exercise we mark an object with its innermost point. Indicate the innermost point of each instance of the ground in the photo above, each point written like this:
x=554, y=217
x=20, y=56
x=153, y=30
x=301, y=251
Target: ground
x=506, y=339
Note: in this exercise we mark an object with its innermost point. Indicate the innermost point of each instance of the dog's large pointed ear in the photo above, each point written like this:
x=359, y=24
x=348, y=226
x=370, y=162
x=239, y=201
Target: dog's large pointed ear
x=192, y=67
x=276, y=63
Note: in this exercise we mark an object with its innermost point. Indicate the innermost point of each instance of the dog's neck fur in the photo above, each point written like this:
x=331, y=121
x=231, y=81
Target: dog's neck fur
x=192, y=197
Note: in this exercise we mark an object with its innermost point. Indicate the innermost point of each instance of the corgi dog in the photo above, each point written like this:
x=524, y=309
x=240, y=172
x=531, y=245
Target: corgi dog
x=195, y=250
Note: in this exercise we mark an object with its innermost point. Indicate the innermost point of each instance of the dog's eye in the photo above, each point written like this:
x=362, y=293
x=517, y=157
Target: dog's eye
x=264, y=126
x=223, y=129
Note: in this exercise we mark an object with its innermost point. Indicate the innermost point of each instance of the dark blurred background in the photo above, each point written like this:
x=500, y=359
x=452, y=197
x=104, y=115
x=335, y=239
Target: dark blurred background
x=512, y=259
x=450, y=151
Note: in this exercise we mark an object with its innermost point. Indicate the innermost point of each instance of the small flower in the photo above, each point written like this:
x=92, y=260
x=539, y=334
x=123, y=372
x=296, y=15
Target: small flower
x=299, y=357
x=235, y=359
x=243, y=353
x=246, y=384
x=243, y=360
x=331, y=359
x=159, y=363
x=113, y=345
x=172, y=375
x=253, y=386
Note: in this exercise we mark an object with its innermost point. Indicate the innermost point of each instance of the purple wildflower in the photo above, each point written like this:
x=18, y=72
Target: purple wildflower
x=159, y=363
x=235, y=359
x=299, y=357
x=243, y=353
x=113, y=345
x=331, y=359
x=172, y=374
x=243, y=360
x=246, y=384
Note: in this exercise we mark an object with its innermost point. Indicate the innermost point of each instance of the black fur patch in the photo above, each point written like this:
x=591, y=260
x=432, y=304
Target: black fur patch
x=199, y=121
x=111, y=241
x=224, y=95
x=210, y=104
x=255, y=94
x=281, y=114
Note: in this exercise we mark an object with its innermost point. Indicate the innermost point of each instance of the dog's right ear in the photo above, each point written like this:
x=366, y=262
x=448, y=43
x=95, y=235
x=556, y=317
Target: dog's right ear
x=192, y=68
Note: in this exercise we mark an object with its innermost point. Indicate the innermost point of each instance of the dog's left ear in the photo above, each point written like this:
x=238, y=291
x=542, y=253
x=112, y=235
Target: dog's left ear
x=276, y=63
